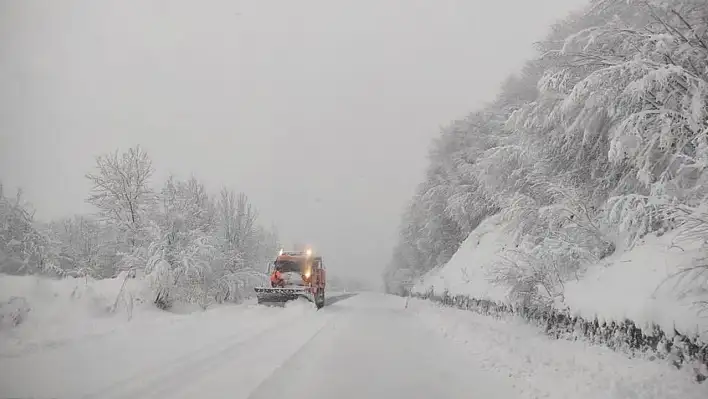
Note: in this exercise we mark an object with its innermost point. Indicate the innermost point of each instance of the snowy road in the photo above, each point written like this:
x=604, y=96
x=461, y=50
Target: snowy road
x=362, y=346
x=373, y=348
x=366, y=345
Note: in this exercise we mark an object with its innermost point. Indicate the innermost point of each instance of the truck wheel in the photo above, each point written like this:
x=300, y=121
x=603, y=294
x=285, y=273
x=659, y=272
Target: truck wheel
x=320, y=299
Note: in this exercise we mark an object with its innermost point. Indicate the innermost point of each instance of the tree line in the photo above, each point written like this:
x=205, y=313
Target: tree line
x=601, y=139
x=191, y=245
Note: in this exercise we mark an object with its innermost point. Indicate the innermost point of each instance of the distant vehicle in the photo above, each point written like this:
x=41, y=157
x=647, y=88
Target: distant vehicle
x=294, y=274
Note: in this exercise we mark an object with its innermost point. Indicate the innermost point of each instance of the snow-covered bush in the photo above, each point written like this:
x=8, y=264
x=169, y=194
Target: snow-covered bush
x=13, y=312
x=203, y=251
x=24, y=249
x=692, y=280
x=85, y=246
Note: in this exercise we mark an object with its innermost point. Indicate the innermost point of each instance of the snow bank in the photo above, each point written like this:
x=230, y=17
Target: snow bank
x=633, y=285
x=164, y=355
x=623, y=286
x=538, y=367
x=467, y=271
x=39, y=311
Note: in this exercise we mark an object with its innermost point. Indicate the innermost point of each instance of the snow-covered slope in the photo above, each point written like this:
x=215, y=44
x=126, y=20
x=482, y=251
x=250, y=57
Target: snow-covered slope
x=38, y=311
x=467, y=272
x=624, y=285
x=636, y=284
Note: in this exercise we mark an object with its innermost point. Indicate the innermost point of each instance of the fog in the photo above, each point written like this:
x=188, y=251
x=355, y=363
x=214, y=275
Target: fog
x=320, y=110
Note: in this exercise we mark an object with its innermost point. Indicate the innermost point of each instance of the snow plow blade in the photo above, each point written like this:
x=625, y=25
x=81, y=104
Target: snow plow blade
x=278, y=296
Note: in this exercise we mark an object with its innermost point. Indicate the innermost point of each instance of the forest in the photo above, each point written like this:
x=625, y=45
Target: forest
x=599, y=141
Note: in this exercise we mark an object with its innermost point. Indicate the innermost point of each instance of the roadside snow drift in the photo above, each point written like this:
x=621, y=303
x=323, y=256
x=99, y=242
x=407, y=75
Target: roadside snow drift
x=636, y=285
x=539, y=367
x=627, y=285
x=71, y=346
x=38, y=311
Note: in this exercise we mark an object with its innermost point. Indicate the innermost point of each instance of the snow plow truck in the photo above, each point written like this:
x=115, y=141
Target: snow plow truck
x=294, y=274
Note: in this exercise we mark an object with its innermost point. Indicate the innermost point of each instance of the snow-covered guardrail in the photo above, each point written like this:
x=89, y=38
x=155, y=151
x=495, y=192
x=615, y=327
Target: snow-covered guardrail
x=626, y=337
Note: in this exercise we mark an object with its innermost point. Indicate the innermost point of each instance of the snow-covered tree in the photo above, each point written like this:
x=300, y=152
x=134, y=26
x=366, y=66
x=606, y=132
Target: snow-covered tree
x=191, y=247
x=85, y=246
x=242, y=244
x=121, y=191
x=236, y=229
x=23, y=248
x=180, y=258
x=692, y=279
x=203, y=250
x=599, y=141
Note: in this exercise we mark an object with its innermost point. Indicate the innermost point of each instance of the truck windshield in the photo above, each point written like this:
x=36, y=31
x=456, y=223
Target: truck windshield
x=286, y=266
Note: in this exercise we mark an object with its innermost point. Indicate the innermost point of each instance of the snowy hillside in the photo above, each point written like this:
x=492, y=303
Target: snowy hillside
x=581, y=186
x=468, y=271
x=633, y=285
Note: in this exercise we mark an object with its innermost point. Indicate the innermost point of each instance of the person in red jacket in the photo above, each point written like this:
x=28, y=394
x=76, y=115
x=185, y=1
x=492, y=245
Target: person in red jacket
x=276, y=279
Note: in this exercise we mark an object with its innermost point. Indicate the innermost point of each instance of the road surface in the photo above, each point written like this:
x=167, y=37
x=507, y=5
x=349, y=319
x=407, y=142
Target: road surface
x=361, y=346
x=358, y=346
x=371, y=347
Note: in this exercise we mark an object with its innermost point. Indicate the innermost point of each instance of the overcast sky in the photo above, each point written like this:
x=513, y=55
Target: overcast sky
x=320, y=110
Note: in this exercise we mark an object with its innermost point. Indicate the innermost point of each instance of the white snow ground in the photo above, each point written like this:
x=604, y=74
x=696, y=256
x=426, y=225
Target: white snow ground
x=365, y=346
x=536, y=366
